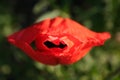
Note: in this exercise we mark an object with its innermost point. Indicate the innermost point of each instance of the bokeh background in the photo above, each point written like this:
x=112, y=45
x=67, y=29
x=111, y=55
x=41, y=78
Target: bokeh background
x=101, y=63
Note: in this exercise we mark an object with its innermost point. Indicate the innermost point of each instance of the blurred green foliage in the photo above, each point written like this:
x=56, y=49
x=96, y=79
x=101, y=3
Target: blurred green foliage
x=102, y=63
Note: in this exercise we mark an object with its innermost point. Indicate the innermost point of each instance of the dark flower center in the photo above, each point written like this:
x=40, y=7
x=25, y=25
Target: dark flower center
x=52, y=45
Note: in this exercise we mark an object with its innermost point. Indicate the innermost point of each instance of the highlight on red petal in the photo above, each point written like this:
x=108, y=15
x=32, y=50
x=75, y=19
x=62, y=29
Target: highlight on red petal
x=57, y=41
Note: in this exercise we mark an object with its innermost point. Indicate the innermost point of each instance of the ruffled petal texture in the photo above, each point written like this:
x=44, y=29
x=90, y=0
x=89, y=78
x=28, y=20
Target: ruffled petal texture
x=58, y=41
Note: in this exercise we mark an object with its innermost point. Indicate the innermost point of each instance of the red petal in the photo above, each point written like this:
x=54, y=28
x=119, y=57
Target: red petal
x=85, y=35
x=46, y=57
x=25, y=35
x=82, y=40
x=27, y=49
x=29, y=34
x=23, y=38
x=70, y=59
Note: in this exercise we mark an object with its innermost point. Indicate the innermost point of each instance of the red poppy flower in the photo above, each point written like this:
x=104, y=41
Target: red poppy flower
x=57, y=41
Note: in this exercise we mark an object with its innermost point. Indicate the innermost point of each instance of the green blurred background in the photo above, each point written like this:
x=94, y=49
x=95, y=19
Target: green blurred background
x=102, y=63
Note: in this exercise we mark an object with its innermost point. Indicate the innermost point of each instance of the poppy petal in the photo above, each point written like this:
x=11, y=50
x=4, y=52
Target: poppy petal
x=85, y=35
x=57, y=41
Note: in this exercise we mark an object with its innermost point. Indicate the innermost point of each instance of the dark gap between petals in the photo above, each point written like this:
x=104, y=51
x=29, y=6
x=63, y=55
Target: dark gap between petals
x=52, y=45
x=33, y=45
